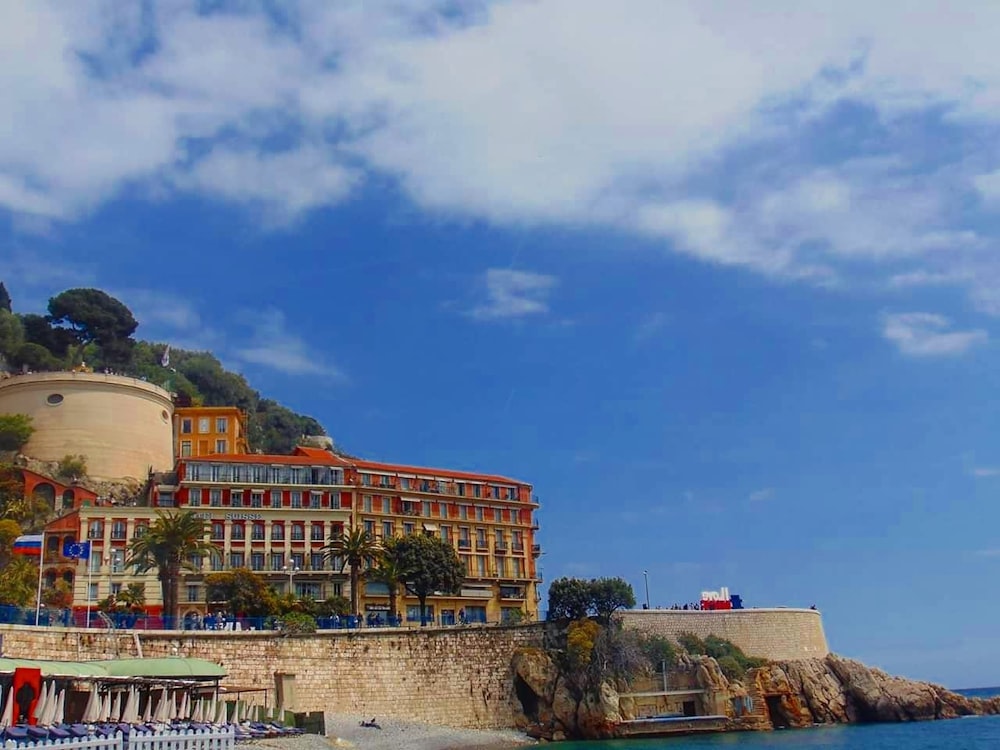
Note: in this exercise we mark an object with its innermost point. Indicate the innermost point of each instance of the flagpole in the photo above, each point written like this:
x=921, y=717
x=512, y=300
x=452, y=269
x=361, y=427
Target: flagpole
x=90, y=574
x=41, y=559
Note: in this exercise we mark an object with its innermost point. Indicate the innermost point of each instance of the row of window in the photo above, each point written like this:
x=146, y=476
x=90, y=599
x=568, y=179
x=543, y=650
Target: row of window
x=479, y=566
x=499, y=537
x=320, y=476
x=204, y=423
x=255, y=498
x=296, y=531
x=270, y=562
x=425, y=508
x=462, y=489
x=221, y=446
x=303, y=590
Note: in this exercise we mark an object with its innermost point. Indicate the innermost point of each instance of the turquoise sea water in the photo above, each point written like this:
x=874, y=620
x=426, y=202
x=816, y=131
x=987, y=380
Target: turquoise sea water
x=972, y=733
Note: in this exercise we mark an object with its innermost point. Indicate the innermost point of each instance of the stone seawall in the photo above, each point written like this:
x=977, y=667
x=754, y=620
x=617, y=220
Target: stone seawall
x=459, y=677
x=776, y=634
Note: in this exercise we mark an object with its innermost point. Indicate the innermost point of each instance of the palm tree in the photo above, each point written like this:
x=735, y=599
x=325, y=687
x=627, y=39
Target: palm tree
x=354, y=548
x=166, y=547
x=389, y=570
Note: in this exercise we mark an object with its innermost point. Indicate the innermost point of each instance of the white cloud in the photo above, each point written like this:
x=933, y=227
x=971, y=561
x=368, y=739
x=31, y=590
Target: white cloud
x=160, y=310
x=514, y=294
x=984, y=472
x=921, y=334
x=272, y=344
x=650, y=327
x=757, y=496
x=692, y=126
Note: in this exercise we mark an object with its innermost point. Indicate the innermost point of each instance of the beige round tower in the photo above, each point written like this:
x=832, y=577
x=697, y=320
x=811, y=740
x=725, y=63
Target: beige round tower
x=122, y=425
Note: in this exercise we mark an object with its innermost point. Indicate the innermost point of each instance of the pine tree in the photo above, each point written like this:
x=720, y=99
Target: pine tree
x=4, y=298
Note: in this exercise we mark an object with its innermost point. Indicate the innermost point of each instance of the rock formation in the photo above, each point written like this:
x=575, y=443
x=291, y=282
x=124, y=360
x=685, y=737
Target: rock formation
x=780, y=694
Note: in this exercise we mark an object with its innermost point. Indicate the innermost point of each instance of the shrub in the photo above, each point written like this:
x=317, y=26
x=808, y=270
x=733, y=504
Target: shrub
x=298, y=622
x=581, y=635
x=658, y=650
x=692, y=644
x=731, y=667
x=72, y=467
x=15, y=431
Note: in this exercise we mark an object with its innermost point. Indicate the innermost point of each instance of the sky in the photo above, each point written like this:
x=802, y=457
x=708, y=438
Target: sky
x=721, y=280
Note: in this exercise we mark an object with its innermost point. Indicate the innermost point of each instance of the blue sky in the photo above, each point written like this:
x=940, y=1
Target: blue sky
x=720, y=281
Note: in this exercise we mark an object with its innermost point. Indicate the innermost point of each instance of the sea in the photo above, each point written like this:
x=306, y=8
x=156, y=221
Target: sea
x=970, y=733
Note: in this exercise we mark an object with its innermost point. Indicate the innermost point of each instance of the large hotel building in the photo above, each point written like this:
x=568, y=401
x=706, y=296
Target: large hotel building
x=273, y=514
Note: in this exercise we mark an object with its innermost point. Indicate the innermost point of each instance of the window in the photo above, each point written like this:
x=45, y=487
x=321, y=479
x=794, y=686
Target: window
x=95, y=530
x=193, y=593
x=117, y=561
x=275, y=498
x=236, y=498
x=516, y=562
x=516, y=541
x=203, y=425
x=446, y=533
x=336, y=589
x=222, y=424
x=387, y=529
x=186, y=426
x=141, y=527
x=463, y=538
x=370, y=527
x=236, y=560
x=366, y=480
x=404, y=483
x=298, y=560
x=384, y=481
x=116, y=589
x=407, y=528
x=165, y=500
x=316, y=561
x=460, y=488
x=215, y=498
x=316, y=532
x=221, y=446
x=257, y=561
x=92, y=591
x=298, y=532
x=194, y=496
x=118, y=529
x=218, y=531
x=425, y=509
x=296, y=499
x=501, y=566
x=442, y=510
x=315, y=499
x=463, y=512
x=306, y=590
x=387, y=505
x=277, y=532
x=277, y=561
x=256, y=499
x=480, y=565
x=238, y=532
x=479, y=512
x=257, y=532
x=366, y=502
x=500, y=544
x=185, y=448
x=481, y=539
x=512, y=493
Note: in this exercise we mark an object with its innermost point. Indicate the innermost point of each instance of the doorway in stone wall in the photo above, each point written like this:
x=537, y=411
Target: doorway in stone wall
x=776, y=712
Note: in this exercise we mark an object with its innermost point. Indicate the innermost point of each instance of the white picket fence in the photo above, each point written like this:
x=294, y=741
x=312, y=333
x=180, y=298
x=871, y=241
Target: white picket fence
x=184, y=739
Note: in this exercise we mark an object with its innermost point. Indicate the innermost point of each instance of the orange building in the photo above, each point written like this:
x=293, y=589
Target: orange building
x=209, y=430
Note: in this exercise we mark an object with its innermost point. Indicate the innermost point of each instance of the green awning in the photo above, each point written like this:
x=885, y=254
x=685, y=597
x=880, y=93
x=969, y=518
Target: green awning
x=174, y=668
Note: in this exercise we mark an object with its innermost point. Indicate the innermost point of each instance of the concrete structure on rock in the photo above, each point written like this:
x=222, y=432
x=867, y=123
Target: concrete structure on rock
x=121, y=425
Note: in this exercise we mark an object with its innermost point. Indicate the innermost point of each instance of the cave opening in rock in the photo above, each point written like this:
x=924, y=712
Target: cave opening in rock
x=527, y=698
x=776, y=712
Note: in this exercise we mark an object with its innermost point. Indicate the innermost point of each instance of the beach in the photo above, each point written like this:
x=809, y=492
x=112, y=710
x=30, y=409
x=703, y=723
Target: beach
x=345, y=731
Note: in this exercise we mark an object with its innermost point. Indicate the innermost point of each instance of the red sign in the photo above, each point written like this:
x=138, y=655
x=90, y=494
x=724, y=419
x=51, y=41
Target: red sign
x=27, y=690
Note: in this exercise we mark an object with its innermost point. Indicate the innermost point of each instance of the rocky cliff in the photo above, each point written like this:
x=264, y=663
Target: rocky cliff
x=780, y=694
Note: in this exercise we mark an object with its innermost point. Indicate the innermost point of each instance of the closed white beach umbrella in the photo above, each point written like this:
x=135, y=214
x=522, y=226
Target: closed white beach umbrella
x=196, y=710
x=50, y=706
x=41, y=705
x=220, y=712
x=182, y=712
x=60, y=716
x=93, y=706
x=8, y=709
x=147, y=714
x=116, y=706
x=165, y=708
x=209, y=717
x=105, y=713
x=130, y=714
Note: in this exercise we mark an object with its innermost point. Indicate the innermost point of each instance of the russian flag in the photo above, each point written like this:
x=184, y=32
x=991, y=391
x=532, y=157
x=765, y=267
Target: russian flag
x=29, y=544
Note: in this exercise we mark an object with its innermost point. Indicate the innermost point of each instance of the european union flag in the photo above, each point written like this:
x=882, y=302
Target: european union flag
x=76, y=550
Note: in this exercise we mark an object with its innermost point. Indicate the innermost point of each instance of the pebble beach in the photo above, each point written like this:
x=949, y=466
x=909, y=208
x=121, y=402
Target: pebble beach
x=345, y=731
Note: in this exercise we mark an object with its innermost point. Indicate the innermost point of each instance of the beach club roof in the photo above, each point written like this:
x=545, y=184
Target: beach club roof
x=166, y=668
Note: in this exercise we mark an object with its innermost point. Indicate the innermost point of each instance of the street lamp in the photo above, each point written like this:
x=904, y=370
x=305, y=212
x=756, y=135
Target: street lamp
x=645, y=577
x=290, y=572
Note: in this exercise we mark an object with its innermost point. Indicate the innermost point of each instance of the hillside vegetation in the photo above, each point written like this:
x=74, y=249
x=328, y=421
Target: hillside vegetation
x=92, y=327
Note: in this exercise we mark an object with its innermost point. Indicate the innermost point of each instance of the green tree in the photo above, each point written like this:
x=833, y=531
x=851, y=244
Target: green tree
x=355, y=548
x=133, y=597
x=4, y=298
x=277, y=429
x=569, y=599
x=11, y=334
x=18, y=582
x=388, y=569
x=72, y=467
x=242, y=590
x=166, y=547
x=30, y=513
x=58, y=596
x=38, y=330
x=431, y=565
x=36, y=358
x=15, y=431
x=10, y=530
x=608, y=595
x=95, y=316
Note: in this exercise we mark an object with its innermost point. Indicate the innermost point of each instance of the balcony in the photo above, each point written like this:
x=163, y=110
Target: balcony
x=517, y=548
x=536, y=550
x=500, y=549
x=464, y=544
x=482, y=546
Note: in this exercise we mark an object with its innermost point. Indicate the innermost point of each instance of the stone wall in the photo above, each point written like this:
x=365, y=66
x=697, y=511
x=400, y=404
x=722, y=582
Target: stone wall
x=777, y=634
x=458, y=677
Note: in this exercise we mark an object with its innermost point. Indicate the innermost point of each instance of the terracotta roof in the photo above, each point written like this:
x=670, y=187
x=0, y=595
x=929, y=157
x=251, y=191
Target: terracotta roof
x=324, y=458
